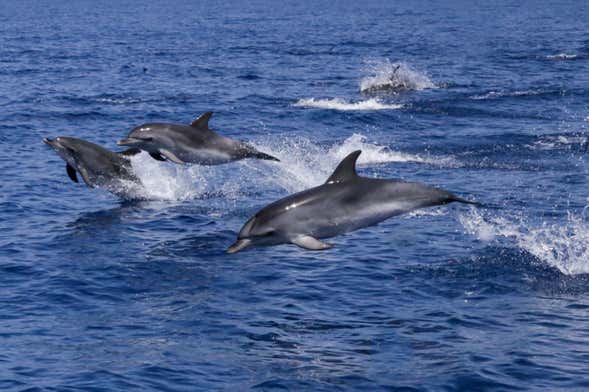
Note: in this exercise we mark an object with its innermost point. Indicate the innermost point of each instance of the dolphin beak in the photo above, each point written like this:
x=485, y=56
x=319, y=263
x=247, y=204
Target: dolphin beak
x=239, y=245
x=126, y=142
x=53, y=143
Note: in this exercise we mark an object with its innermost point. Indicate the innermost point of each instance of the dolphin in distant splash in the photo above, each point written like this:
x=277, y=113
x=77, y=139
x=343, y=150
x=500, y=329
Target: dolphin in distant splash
x=194, y=143
x=344, y=203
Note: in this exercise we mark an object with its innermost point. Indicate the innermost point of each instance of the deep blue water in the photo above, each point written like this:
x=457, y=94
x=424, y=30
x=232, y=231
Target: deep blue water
x=98, y=293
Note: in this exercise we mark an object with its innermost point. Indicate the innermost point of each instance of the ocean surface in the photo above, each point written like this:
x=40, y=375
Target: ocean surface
x=487, y=100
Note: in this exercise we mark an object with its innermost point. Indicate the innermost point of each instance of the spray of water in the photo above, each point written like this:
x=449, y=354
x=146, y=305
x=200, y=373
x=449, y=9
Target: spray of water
x=563, y=245
x=303, y=164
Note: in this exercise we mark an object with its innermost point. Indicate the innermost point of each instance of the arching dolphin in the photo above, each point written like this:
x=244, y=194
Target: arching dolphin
x=99, y=167
x=194, y=143
x=344, y=203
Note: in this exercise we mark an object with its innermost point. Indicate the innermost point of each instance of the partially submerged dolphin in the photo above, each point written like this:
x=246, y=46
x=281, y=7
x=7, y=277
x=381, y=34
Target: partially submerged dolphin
x=344, y=203
x=98, y=167
x=194, y=143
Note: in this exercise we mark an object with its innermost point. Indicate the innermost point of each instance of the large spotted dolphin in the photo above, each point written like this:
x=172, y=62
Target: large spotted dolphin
x=344, y=203
x=194, y=143
x=98, y=167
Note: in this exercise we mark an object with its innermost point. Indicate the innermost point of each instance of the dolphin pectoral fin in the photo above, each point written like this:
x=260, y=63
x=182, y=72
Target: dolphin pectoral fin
x=310, y=243
x=71, y=172
x=172, y=157
x=84, y=173
x=157, y=156
x=239, y=245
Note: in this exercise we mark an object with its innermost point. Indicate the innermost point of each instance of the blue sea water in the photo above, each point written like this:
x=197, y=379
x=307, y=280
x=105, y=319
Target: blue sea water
x=101, y=294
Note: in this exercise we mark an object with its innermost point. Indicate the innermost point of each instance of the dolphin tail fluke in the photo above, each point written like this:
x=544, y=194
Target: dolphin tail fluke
x=264, y=156
x=464, y=201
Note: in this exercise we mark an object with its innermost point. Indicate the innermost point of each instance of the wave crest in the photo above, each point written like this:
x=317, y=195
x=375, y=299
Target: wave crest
x=344, y=105
x=502, y=94
x=562, y=56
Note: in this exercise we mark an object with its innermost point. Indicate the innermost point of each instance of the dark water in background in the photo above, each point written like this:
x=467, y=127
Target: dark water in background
x=101, y=294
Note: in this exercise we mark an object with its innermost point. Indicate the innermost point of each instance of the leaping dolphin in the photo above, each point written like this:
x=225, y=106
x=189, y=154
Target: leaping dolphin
x=194, y=143
x=344, y=203
x=98, y=167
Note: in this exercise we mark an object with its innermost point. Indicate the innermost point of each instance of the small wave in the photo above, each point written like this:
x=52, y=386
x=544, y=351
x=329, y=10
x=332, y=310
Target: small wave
x=502, y=94
x=118, y=101
x=562, y=56
x=395, y=77
x=565, y=247
x=342, y=104
x=565, y=142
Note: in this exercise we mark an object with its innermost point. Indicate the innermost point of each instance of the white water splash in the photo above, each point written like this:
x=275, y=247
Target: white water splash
x=166, y=181
x=303, y=164
x=564, y=246
x=562, y=56
x=394, y=76
x=344, y=105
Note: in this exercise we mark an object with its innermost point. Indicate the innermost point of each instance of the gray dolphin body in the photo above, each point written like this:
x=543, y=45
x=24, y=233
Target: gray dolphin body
x=194, y=143
x=344, y=203
x=98, y=167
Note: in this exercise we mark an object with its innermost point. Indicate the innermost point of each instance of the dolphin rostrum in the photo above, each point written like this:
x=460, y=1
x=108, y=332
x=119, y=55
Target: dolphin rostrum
x=344, y=203
x=194, y=143
x=98, y=167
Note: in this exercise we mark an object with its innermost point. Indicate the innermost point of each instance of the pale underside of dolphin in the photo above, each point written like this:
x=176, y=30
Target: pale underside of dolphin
x=98, y=166
x=194, y=143
x=344, y=203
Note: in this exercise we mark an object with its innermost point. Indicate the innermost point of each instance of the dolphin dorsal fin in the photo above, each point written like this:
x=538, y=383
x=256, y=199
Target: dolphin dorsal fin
x=202, y=121
x=346, y=170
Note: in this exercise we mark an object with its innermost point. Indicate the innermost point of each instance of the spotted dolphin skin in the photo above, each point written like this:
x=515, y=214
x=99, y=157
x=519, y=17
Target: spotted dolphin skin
x=194, y=143
x=98, y=167
x=344, y=203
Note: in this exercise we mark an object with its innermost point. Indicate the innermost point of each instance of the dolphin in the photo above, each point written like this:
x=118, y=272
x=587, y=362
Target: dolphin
x=98, y=167
x=344, y=203
x=194, y=143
